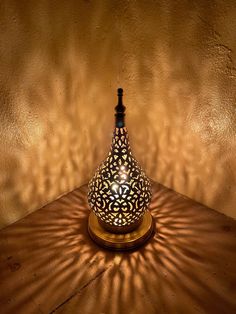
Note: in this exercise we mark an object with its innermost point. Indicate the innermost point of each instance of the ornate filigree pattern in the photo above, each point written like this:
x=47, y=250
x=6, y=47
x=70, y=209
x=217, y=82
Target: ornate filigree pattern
x=119, y=192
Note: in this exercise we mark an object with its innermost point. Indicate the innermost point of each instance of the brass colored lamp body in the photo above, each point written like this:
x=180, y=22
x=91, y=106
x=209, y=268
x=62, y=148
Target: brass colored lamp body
x=119, y=194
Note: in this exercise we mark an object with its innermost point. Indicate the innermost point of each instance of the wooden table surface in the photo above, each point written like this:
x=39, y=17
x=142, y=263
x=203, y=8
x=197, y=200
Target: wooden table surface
x=48, y=264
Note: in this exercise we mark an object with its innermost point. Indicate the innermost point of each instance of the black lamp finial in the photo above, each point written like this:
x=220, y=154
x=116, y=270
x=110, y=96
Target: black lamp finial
x=120, y=110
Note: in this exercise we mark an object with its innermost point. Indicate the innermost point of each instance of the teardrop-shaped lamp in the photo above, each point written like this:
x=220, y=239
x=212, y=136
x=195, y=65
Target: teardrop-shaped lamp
x=119, y=194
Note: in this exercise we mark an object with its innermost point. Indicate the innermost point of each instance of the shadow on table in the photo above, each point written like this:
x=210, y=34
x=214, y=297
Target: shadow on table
x=49, y=264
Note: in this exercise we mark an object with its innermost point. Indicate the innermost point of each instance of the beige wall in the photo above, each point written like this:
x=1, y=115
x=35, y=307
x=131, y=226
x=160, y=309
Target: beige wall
x=60, y=64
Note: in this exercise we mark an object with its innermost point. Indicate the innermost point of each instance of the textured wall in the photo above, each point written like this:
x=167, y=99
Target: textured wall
x=61, y=62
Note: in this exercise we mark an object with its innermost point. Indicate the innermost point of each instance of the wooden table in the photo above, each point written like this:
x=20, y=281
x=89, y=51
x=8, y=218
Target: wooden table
x=48, y=264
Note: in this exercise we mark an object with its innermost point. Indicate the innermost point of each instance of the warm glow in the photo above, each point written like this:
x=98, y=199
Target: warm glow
x=119, y=193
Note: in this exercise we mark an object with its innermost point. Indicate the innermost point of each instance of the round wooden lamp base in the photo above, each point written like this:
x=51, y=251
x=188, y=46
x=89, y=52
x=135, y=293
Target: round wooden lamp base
x=121, y=241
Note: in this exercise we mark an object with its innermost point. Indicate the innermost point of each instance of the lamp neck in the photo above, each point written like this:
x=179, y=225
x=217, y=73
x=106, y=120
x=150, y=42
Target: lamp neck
x=120, y=110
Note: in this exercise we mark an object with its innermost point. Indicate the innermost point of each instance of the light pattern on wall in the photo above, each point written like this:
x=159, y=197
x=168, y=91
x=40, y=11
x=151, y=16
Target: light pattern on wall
x=119, y=192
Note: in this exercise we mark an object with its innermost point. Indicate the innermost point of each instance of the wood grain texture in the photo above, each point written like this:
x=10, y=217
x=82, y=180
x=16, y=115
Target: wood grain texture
x=48, y=264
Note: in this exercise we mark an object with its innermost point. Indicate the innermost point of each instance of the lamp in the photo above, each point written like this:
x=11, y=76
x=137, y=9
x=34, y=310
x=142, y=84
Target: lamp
x=119, y=194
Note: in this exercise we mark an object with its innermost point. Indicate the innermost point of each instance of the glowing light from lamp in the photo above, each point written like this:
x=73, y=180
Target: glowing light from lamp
x=119, y=193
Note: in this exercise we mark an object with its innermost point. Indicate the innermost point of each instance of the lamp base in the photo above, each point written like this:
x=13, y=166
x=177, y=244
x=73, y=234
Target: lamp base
x=121, y=241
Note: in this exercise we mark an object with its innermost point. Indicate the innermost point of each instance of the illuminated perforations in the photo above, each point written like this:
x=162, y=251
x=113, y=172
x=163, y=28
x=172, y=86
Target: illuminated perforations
x=119, y=192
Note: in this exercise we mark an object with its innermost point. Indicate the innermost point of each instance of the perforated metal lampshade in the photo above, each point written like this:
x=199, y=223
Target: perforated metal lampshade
x=120, y=192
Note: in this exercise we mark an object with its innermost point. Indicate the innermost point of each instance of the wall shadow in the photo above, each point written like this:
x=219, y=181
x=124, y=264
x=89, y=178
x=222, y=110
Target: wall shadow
x=61, y=63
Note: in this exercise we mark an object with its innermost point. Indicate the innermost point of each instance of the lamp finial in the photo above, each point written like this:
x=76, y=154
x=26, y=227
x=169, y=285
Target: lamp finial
x=120, y=91
x=120, y=110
